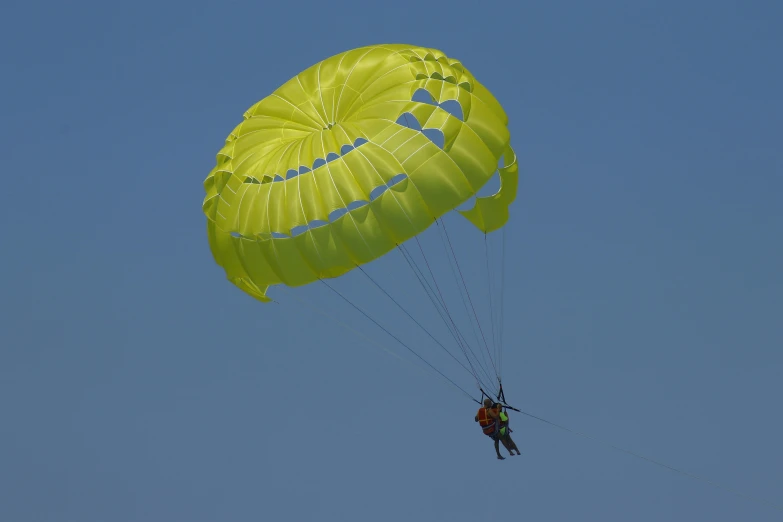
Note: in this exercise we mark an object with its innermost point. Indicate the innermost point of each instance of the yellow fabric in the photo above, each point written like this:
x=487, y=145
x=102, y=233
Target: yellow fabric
x=491, y=212
x=295, y=160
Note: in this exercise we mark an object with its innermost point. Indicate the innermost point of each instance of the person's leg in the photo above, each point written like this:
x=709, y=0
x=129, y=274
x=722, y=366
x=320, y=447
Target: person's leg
x=496, y=437
x=497, y=449
x=507, y=446
x=503, y=435
x=513, y=444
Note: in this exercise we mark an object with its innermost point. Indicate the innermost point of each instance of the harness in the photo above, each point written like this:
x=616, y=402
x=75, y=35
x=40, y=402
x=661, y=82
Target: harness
x=495, y=428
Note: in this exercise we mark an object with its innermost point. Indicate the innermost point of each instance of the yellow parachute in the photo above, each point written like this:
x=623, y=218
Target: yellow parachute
x=324, y=175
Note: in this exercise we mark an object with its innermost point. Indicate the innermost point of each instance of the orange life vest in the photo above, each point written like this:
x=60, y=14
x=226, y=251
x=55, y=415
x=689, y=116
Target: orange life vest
x=486, y=422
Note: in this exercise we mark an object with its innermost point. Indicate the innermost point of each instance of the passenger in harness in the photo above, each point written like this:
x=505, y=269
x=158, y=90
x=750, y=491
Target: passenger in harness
x=505, y=432
x=488, y=418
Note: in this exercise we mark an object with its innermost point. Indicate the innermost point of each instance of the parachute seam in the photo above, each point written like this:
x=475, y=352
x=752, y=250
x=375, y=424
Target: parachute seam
x=348, y=77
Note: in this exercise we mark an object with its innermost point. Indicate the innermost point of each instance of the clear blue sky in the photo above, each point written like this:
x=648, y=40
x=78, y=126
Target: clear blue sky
x=643, y=295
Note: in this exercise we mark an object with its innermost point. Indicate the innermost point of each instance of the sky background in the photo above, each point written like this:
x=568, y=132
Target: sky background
x=643, y=289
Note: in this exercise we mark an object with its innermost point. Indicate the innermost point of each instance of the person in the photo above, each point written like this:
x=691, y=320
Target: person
x=488, y=417
x=505, y=432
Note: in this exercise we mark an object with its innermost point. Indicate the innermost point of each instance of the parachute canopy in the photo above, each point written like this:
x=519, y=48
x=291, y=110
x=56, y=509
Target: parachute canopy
x=349, y=159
